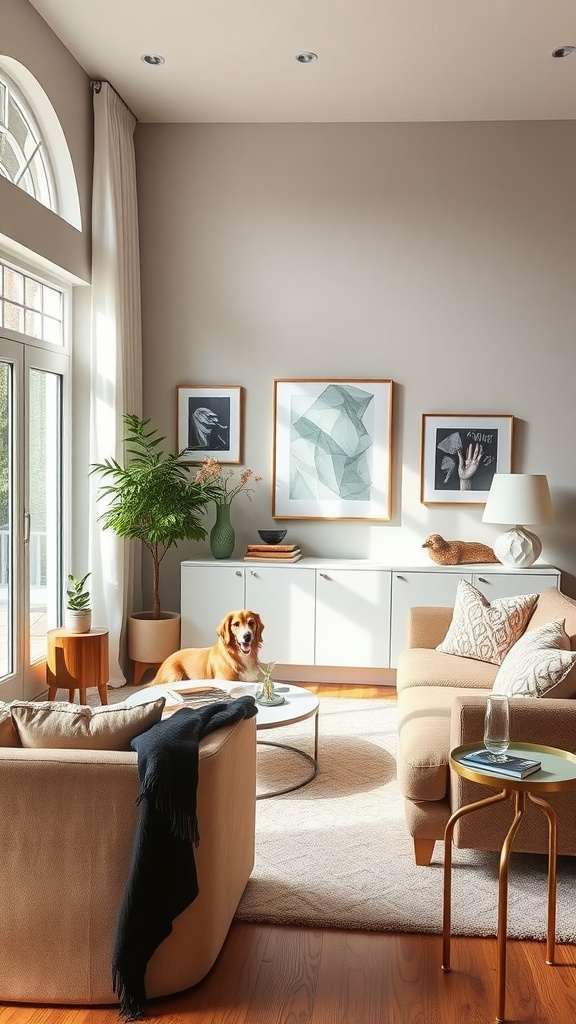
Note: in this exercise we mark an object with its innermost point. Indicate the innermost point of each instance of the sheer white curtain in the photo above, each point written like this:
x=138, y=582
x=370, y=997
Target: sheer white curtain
x=116, y=357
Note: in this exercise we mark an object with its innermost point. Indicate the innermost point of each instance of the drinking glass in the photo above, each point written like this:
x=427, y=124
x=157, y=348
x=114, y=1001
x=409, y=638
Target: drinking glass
x=497, y=726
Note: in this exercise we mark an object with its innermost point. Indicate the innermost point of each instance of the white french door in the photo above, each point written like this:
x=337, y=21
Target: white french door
x=33, y=523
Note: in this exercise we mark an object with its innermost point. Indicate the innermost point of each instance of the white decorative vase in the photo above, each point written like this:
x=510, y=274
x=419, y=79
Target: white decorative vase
x=151, y=640
x=78, y=620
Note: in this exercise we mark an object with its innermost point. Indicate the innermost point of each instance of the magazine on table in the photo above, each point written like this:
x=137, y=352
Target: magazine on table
x=516, y=767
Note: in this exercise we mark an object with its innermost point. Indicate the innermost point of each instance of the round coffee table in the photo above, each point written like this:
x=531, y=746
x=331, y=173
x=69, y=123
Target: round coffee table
x=299, y=704
x=557, y=774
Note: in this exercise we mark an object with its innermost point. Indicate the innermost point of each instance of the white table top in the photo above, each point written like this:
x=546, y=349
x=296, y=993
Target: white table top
x=299, y=703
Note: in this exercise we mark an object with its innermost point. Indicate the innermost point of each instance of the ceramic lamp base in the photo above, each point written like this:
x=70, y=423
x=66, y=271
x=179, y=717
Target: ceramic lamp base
x=518, y=547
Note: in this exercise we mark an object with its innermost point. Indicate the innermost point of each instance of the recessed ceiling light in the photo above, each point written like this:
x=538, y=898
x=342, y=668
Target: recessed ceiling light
x=152, y=58
x=563, y=51
x=306, y=57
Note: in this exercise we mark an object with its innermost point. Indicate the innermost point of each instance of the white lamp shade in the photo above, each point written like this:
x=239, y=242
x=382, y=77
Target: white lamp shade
x=521, y=498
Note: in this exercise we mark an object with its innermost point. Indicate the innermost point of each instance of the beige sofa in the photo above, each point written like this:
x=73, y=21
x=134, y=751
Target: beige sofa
x=441, y=704
x=67, y=824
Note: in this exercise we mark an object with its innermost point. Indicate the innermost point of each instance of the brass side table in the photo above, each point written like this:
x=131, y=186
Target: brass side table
x=75, y=661
x=557, y=774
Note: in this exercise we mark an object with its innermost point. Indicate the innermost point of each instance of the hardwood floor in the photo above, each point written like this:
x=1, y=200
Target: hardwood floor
x=273, y=975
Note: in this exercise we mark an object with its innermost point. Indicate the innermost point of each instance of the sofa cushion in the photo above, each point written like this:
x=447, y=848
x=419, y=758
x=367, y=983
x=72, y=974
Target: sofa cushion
x=553, y=605
x=423, y=667
x=486, y=631
x=8, y=735
x=424, y=716
x=75, y=727
x=540, y=664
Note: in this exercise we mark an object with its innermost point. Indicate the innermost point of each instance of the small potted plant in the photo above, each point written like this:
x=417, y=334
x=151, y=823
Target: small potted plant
x=78, y=617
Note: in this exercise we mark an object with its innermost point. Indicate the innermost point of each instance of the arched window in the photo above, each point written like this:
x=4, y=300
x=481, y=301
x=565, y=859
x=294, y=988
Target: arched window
x=24, y=159
x=34, y=158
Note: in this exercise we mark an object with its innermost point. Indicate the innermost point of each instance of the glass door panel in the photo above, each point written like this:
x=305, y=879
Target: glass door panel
x=6, y=536
x=45, y=507
x=32, y=519
x=11, y=362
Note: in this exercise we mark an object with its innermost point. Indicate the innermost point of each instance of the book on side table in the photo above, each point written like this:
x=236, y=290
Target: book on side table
x=515, y=767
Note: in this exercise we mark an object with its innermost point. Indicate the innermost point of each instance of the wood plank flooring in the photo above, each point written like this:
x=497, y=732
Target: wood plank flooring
x=273, y=975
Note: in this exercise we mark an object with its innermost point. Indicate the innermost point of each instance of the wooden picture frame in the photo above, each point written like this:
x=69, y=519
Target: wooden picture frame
x=460, y=455
x=209, y=422
x=332, y=449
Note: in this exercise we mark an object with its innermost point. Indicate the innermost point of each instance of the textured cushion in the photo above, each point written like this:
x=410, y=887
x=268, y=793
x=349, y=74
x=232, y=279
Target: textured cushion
x=74, y=727
x=540, y=664
x=8, y=735
x=424, y=668
x=486, y=631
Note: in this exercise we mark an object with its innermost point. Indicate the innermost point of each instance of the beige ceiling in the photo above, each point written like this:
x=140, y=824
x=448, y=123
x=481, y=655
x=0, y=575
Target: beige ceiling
x=378, y=60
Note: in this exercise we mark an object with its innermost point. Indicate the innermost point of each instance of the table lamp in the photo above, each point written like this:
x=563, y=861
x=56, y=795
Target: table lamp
x=518, y=498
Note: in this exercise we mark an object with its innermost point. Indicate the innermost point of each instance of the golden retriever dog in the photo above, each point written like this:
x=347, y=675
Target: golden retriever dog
x=234, y=657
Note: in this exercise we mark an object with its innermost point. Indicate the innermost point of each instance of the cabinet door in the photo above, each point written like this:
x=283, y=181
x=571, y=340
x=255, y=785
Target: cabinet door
x=418, y=589
x=511, y=584
x=353, y=618
x=283, y=596
x=207, y=594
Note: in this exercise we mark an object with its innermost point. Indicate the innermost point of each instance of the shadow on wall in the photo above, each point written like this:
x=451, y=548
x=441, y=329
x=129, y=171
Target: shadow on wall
x=564, y=533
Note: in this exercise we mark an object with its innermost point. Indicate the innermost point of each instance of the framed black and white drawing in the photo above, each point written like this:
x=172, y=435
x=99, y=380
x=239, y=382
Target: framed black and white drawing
x=332, y=449
x=209, y=423
x=460, y=455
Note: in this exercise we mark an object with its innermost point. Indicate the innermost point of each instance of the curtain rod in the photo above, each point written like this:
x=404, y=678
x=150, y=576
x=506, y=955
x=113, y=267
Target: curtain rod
x=96, y=85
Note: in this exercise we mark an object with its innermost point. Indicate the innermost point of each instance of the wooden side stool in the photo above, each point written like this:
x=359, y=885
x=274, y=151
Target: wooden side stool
x=140, y=667
x=75, y=661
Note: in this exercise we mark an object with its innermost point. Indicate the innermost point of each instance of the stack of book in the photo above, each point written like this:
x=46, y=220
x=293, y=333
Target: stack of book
x=272, y=553
x=515, y=767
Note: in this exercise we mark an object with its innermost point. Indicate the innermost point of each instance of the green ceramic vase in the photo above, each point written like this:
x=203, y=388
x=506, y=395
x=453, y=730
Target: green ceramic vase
x=222, y=537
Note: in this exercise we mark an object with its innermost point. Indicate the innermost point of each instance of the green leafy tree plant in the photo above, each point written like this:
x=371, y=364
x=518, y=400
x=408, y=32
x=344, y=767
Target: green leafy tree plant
x=151, y=497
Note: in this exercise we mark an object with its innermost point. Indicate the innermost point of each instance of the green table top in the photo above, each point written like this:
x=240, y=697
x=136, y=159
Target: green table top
x=558, y=771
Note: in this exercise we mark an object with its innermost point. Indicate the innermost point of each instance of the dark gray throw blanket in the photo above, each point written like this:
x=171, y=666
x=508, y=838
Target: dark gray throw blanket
x=162, y=878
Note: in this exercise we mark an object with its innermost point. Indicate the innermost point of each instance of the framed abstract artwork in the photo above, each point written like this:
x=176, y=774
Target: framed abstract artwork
x=332, y=449
x=209, y=423
x=460, y=455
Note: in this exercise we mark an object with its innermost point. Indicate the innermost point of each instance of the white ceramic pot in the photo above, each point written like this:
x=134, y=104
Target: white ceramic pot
x=151, y=640
x=78, y=621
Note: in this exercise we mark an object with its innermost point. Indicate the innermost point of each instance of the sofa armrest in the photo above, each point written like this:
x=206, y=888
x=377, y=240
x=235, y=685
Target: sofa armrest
x=532, y=720
x=428, y=625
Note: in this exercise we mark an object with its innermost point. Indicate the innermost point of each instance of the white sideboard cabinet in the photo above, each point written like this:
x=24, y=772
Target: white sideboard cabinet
x=329, y=612
x=284, y=597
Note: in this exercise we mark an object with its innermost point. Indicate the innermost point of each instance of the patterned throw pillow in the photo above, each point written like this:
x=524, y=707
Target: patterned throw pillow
x=59, y=725
x=486, y=631
x=8, y=735
x=541, y=664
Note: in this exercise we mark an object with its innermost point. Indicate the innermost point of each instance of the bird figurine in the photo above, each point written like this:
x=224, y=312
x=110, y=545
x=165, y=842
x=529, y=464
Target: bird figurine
x=457, y=552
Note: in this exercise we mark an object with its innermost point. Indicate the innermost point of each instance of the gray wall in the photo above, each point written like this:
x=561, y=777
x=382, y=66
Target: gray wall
x=442, y=256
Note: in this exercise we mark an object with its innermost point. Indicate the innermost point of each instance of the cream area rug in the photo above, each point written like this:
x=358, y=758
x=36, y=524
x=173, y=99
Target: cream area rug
x=336, y=853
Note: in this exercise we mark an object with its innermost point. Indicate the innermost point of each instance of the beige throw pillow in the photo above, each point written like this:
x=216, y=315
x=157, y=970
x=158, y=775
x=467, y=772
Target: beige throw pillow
x=541, y=664
x=8, y=735
x=74, y=727
x=483, y=630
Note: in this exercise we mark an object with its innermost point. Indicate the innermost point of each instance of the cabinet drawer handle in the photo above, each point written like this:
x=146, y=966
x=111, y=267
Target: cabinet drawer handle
x=403, y=578
x=238, y=572
x=324, y=576
x=253, y=572
x=482, y=580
